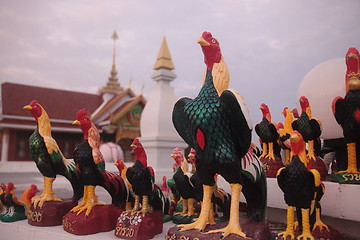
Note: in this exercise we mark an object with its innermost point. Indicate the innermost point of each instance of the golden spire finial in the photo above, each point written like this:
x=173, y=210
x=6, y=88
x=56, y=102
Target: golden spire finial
x=114, y=37
x=112, y=85
x=163, y=59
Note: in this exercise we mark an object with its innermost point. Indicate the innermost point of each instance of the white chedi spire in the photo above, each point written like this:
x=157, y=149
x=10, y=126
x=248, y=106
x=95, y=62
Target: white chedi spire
x=158, y=135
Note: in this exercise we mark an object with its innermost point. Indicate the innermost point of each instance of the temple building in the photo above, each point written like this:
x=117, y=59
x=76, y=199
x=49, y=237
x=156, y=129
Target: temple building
x=113, y=109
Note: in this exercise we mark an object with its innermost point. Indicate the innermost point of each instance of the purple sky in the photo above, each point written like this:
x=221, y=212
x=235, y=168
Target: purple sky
x=269, y=46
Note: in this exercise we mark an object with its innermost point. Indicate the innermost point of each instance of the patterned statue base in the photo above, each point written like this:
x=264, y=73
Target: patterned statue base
x=252, y=229
x=333, y=234
x=101, y=219
x=350, y=178
x=51, y=213
x=137, y=226
x=320, y=166
x=271, y=166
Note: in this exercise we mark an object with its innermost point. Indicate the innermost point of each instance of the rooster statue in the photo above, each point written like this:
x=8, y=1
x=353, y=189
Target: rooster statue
x=217, y=128
x=267, y=131
x=49, y=159
x=309, y=127
x=183, y=184
x=347, y=110
x=142, y=177
x=91, y=167
x=285, y=132
x=17, y=209
x=302, y=191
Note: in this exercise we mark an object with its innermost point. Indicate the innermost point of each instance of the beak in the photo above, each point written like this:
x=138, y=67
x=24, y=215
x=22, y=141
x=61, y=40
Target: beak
x=28, y=107
x=301, y=100
x=191, y=155
x=203, y=42
x=116, y=164
x=173, y=155
x=76, y=122
x=261, y=107
x=133, y=146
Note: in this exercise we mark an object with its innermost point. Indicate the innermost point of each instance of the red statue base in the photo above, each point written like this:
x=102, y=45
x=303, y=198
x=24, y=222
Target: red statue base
x=101, y=219
x=139, y=227
x=320, y=166
x=271, y=166
x=51, y=214
x=252, y=229
x=333, y=234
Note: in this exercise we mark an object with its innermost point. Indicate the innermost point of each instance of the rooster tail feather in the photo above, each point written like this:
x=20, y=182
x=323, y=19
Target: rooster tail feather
x=255, y=193
x=115, y=185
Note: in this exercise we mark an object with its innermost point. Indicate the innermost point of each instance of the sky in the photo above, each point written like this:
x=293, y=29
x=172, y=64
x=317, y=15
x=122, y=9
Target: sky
x=269, y=46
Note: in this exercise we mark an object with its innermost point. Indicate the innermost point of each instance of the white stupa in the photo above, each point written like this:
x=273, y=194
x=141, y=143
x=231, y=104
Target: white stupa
x=158, y=135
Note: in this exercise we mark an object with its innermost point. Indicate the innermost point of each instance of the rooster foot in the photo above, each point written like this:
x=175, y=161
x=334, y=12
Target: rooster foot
x=270, y=157
x=305, y=236
x=229, y=229
x=200, y=224
x=286, y=234
x=321, y=226
x=349, y=170
x=44, y=197
x=311, y=156
x=88, y=207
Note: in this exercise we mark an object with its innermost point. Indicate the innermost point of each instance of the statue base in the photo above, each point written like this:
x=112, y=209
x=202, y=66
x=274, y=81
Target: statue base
x=344, y=177
x=319, y=165
x=18, y=214
x=252, y=229
x=333, y=234
x=178, y=219
x=51, y=213
x=138, y=226
x=102, y=218
x=271, y=166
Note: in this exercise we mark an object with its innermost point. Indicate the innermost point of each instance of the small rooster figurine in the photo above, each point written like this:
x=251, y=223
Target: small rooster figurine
x=268, y=134
x=216, y=127
x=183, y=184
x=347, y=110
x=91, y=166
x=285, y=132
x=15, y=209
x=49, y=159
x=309, y=127
x=142, y=177
x=302, y=188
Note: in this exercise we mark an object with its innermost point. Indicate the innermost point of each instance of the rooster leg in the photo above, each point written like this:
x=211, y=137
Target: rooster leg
x=83, y=202
x=185, y=208
x=234, y=221
x=128, y=206
x=311, y=152
x=319, y=223
x=145, y=207
x=271, y=151
x=306, y=234
x=47, y=195
x=211, y=219
x=352, y=166
x=191, y=209
x=201, y=222
x=136, y=205
x=289, y=224
x=91, y=201
x=264, y=149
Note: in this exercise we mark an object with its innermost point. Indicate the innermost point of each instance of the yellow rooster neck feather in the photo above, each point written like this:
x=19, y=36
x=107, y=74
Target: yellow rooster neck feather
x=221, y=76
x=44, y=125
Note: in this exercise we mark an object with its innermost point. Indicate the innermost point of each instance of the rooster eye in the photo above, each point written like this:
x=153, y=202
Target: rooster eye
x=213, y=41
x=35, y=106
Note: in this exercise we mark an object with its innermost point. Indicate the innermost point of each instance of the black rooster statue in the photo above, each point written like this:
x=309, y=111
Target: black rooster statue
x=347, y=114
x=217, y=128
x=303, y=191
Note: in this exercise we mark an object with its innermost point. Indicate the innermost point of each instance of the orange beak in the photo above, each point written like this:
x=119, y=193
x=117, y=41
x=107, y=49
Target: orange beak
x=28, y=107
x=76, y=122
x=203, y=42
